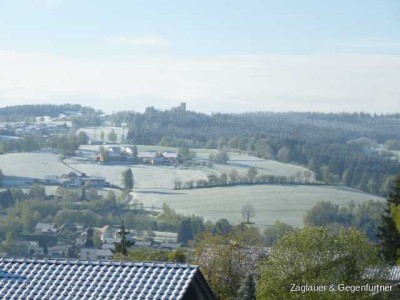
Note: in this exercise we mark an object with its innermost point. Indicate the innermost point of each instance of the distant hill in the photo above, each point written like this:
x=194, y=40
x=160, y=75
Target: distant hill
x=197, y=128
x=29, y=111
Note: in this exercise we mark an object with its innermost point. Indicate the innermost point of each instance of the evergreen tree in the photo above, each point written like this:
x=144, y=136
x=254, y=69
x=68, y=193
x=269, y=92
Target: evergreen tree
x=127, y=179
x=103, y=154
x=6, y=199
x=124, y=244
x=135, y=154
x=247, y=290
x=83, y=196
x=72, y=251
x=387, y=231
x=185, y=232
x=1, y=177
x=112, y=136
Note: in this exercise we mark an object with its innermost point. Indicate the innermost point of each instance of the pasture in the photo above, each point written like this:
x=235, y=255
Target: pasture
x=287, y=203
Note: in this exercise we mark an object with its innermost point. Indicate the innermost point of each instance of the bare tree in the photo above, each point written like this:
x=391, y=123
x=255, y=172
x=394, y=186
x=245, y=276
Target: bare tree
x=248, y=212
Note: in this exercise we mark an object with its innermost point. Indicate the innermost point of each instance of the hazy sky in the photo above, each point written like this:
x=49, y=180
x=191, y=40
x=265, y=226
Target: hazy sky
x=229, y=56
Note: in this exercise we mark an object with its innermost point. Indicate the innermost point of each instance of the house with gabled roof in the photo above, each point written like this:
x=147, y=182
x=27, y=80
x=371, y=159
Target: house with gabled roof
x=171, y=156
x=68, y=279
x=151, y=157
x=45, y=228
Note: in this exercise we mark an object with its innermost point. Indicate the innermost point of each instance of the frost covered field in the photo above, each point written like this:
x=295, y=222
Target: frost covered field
x=145, y=176
x=154, y=185
x=168, y=175
x=19, y=167
x=271, y=202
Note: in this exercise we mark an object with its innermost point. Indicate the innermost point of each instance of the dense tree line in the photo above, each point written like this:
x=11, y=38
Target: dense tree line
x=24, y=144
x=197, y=128
x=67, y=144
x=366, y=216
x=328, y=144
x=233, y=178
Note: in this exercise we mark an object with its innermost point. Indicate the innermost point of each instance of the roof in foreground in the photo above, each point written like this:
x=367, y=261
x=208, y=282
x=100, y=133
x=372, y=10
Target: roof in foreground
x=391, y=273
x=80, y=279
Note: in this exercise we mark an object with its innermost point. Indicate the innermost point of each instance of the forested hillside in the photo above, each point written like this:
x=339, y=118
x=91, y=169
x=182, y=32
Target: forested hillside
x=340, y=148
x=198, y=128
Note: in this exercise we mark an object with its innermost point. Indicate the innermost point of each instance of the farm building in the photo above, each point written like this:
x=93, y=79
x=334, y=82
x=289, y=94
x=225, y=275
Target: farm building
x=94, y=142
x=151, y=157
x=50, y=179
x=128, y=150
x=94, y=181
x=73, y=182
x=45, y=228
x=84, y=279
x=106, y=232
x=78, y=181
x=171, y=156
x=170, y=245
x=114, y=150
x=113, y=153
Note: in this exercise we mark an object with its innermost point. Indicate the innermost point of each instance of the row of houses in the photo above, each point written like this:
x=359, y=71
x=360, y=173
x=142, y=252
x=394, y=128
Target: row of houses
x=47, y=241
x=35, y=128
x=75, y=181
x=109, y=237
x=153, y=157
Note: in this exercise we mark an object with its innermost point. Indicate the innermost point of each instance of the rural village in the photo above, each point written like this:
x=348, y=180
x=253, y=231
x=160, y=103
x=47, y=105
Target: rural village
x=83, y=192
x=199, y=150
